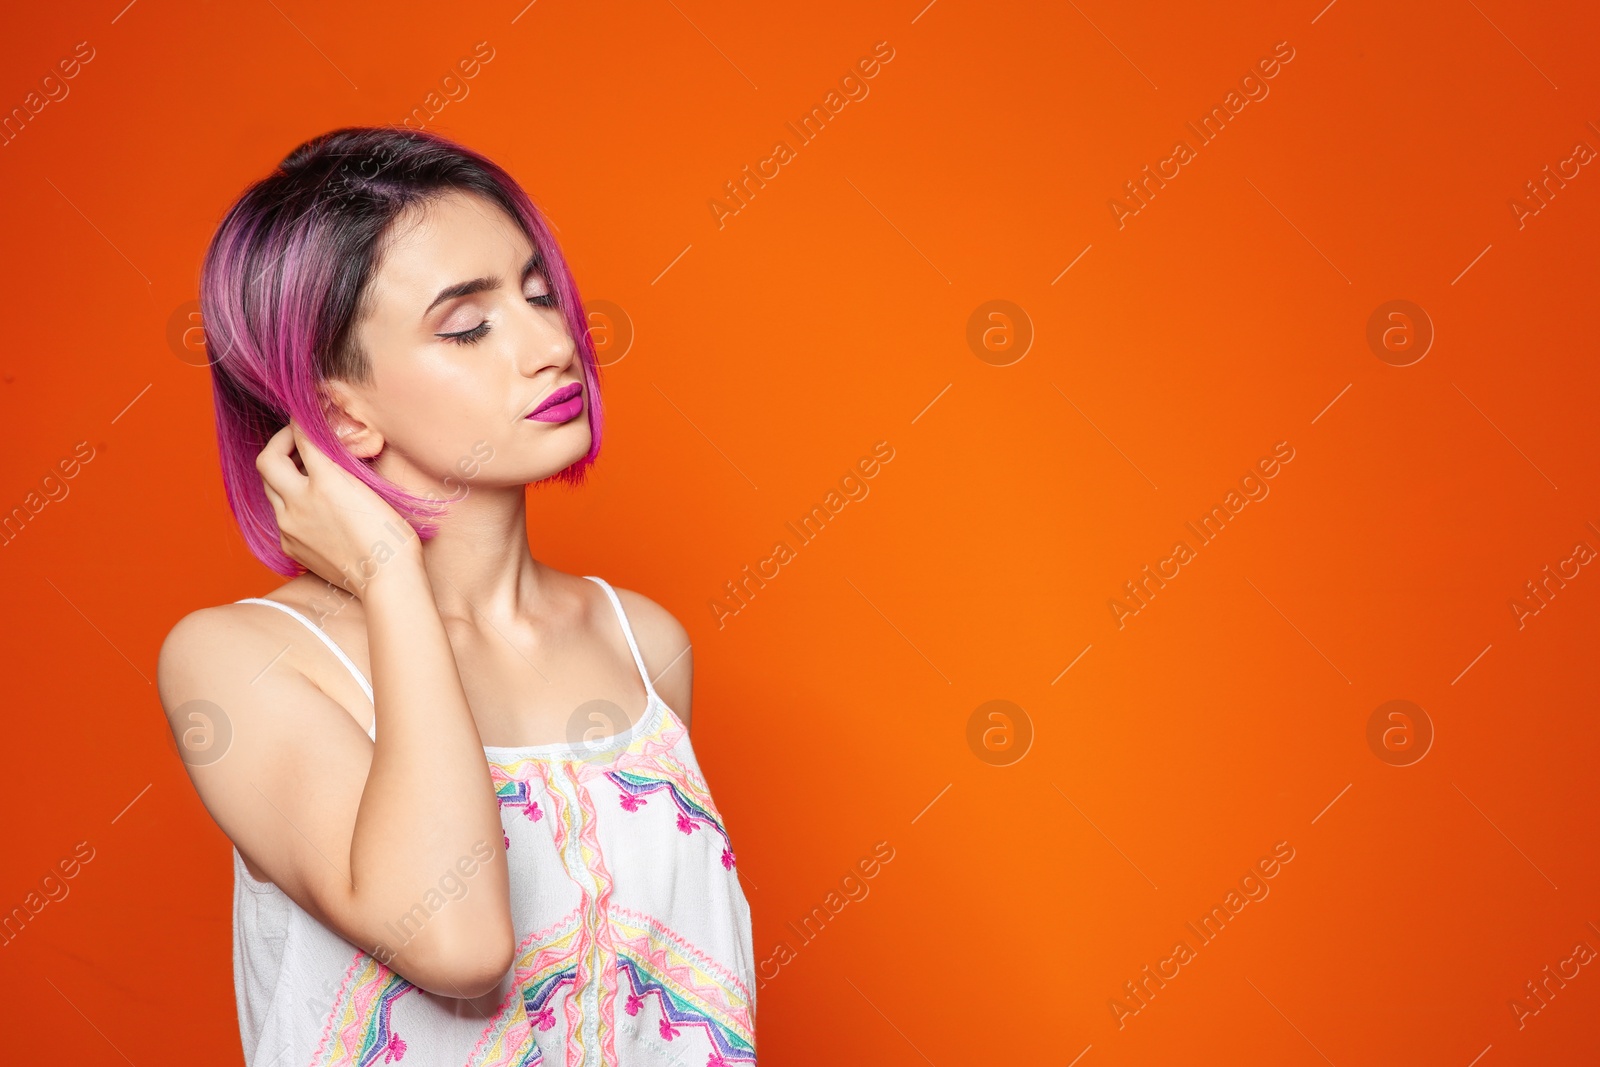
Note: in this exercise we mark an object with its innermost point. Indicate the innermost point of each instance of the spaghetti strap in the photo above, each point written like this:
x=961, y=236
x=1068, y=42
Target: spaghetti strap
x=627, y=631
x=366, y=687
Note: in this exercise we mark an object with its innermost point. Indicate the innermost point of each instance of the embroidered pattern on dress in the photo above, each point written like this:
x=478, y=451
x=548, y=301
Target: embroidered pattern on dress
x=514, y=792
x=358, y=1031
x=689, y=989
x=546, y=963
x=583, y=961
x=687, y=792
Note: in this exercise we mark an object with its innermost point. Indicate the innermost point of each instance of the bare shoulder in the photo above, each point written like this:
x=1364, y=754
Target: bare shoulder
x=224, y=652
x=203, y=644
x=664, y=644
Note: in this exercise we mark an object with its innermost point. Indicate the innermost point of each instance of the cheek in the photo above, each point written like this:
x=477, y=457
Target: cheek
x=436, y=411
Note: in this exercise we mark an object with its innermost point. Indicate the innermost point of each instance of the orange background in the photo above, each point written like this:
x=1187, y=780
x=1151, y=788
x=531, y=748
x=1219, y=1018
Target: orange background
x=827, y=315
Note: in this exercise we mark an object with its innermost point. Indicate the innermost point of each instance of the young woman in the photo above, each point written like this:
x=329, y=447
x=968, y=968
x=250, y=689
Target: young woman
x=468, y=828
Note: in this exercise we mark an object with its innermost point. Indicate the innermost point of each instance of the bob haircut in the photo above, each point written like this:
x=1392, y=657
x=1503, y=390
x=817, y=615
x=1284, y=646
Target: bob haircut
x=285, y=281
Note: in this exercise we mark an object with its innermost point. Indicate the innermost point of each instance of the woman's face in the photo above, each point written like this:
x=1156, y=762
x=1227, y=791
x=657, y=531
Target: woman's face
x=465, y=343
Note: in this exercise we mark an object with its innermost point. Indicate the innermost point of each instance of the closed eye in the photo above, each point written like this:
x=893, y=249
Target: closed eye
x=480, y=331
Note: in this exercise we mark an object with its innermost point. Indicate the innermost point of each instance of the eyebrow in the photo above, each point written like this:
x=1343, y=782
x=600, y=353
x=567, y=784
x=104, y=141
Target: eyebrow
x=478, y=285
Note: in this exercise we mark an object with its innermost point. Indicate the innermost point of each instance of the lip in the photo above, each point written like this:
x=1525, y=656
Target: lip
x=562, y=404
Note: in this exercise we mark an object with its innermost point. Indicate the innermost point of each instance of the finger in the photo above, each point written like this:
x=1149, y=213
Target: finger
x=312, y=457
x=273, y=497
x=277, y=470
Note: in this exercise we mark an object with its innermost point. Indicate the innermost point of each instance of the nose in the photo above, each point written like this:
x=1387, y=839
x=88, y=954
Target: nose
x=546, y=343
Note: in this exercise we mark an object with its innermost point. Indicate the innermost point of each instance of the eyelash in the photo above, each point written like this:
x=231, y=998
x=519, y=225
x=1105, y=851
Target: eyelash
x=478, y=332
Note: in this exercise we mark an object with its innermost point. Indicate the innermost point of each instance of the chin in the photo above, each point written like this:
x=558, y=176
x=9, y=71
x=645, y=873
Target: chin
x=561, y=465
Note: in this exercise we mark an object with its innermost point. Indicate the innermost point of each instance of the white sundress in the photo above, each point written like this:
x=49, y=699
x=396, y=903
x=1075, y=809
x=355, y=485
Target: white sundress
x=633, y=932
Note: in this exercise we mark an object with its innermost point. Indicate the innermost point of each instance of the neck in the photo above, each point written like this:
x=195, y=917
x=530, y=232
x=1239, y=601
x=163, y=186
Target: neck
x=479, y=563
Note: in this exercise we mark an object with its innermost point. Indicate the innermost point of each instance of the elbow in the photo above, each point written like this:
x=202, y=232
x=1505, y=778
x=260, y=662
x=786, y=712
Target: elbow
x=471, y=979
x=468, y=968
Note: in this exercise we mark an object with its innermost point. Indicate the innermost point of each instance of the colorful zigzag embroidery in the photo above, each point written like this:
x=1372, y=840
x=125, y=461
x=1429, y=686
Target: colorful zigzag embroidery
x=693, y=804
x=514, y=792
x=359, y=1026
x=690, y=991
x=546, y=963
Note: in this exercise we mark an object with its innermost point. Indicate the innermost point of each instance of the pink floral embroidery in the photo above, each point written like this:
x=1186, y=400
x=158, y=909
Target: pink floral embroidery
x=727, y=859
x=632, y=803
x=668, y=1031
x=635, y=1002
x=394, y=1050
x=684, y=824
x=507, y=838
x=531, y=810
x=716, y=1060
x=545, y=1019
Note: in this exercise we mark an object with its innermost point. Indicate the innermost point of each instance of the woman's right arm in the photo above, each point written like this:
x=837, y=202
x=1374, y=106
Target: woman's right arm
x=396, y=845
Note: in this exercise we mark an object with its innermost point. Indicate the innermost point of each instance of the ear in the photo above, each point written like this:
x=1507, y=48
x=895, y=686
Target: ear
x=348, y=416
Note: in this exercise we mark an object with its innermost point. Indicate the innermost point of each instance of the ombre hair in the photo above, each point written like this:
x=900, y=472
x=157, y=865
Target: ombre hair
x=285, y=281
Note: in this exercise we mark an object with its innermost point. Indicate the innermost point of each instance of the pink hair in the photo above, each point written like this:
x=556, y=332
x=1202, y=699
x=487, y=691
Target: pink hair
x=282, y=285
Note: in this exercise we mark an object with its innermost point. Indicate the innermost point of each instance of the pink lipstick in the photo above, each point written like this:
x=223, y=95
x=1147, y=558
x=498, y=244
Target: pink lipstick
x=560, y=406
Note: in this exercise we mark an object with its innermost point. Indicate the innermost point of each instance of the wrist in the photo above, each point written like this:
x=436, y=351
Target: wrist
x=401, y=570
